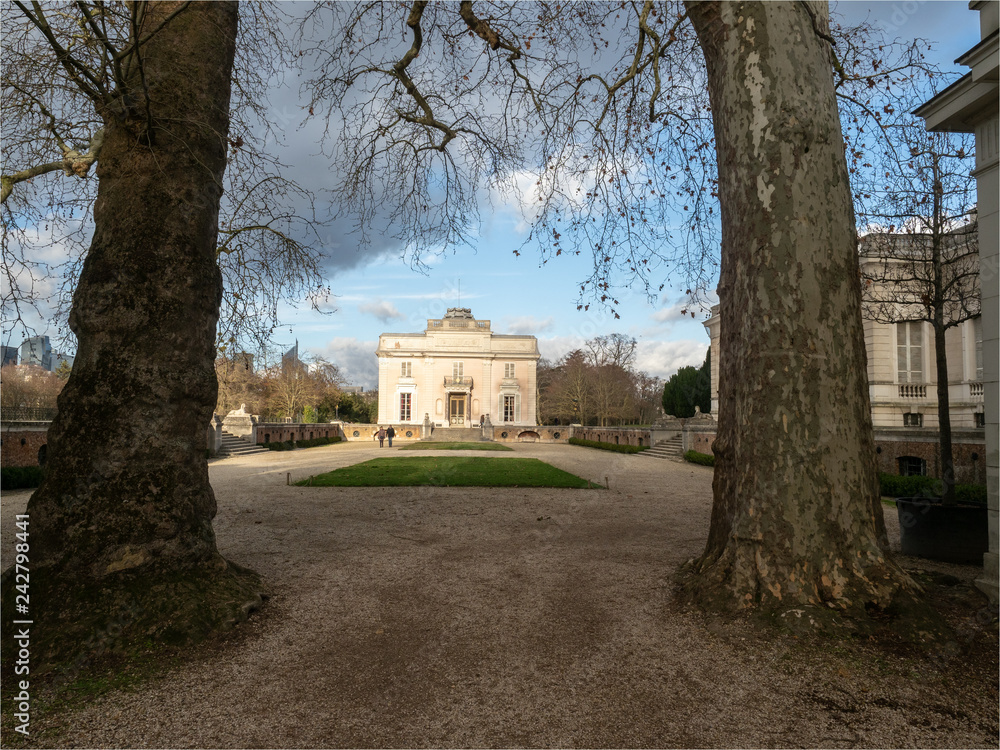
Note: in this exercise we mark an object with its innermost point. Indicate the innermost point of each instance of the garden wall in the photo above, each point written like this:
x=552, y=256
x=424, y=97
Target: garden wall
x=22, y=443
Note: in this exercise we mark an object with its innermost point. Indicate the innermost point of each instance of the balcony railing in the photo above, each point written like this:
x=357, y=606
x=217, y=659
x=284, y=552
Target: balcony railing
x=464, y=383
x=976, y=390
x=27, y=413
x=908, y=390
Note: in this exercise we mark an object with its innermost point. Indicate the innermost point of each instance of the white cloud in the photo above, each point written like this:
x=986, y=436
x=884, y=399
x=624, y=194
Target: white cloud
x=663, y=358
x=355, y=358
x=677, y=311
x=527, y=325
x=384, y=311
x=556, y=347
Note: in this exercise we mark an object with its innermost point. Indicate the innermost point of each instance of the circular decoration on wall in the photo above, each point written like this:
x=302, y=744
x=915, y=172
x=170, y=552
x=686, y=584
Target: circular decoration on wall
x=555, y=435
x=357, y=434
x=409, y=433
x=503, y=434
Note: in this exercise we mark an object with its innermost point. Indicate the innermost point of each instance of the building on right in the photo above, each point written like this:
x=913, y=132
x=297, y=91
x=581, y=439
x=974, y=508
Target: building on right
x=909, y=302
x=972, y=105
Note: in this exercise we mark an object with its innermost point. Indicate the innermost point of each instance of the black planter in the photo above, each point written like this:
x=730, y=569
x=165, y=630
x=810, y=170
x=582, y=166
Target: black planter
x=949, y=533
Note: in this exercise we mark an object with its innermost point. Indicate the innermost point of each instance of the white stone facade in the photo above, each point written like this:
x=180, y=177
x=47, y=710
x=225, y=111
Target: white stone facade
x=970, y=105
x=908, y=398
x=902, y=360
x=455, y=372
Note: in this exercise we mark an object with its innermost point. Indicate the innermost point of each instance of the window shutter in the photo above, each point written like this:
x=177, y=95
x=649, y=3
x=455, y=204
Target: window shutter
x=517, y=408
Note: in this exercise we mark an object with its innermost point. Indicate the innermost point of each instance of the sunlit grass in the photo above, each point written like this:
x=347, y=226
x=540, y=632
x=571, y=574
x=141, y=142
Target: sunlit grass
x=430, y=445
x=444, y=471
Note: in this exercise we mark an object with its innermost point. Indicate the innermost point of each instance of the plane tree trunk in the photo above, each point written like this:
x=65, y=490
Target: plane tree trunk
x=121, y=538
x=797, y=529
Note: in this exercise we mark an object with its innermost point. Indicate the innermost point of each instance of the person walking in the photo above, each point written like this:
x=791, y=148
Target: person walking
x=381, y=437
x=390, y=433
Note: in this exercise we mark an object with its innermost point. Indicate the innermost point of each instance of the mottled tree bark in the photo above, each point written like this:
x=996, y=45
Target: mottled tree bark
x=797, y=520
x=121, y=527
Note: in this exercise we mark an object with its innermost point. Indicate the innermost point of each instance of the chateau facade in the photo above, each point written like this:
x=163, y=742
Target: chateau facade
x=455, y=372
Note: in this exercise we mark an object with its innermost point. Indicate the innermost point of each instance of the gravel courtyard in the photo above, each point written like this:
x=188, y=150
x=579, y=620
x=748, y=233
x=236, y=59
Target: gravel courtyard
x=471, y=617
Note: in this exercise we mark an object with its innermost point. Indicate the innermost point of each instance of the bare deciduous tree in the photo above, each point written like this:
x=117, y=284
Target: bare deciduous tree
x=269, y=246
x=595, y=119
x=920, y=259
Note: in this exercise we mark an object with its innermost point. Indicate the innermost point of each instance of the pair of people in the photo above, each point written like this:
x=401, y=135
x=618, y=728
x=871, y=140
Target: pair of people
x=383, y=433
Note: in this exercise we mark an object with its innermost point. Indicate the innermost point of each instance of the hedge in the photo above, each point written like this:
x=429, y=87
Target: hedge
x=290, y=445
x=699, y=458
x=892, y=485
x=20, y=477
x=608, y=446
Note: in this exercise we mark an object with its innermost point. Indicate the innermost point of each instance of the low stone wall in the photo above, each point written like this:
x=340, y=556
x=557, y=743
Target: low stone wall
x=22, y=443
x=968, y=448
x=891, y=444
x=615, y=435
x=699, y=436
x=280, y=432
x=356, y=431
x=507, y=433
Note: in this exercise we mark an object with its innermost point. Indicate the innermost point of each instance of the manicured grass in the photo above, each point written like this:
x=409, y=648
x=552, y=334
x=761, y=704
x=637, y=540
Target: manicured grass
x=443, y=471
x=430, y=445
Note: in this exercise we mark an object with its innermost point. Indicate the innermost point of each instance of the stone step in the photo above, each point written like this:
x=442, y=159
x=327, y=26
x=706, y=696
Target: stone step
x=670, y=448
x=456, y=435
x=233, y=445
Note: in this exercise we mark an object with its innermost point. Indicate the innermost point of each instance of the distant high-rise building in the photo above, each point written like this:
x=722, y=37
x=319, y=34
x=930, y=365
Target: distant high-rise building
x=37, y=351
x=291, y=357
x=9, y=355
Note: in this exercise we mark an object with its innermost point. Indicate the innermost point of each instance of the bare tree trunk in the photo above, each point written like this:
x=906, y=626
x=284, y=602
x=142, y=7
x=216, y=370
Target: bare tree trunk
x=797, y=520
x=945, y=452
x=121, y=528
x=944, y=412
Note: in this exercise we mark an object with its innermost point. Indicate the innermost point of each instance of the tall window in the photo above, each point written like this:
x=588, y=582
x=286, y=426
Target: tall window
x=457, y=368
x=508, y=370
x=405, y=400
x=910, y=351
x=508, y=408
x=406, y=370
x=977, y=334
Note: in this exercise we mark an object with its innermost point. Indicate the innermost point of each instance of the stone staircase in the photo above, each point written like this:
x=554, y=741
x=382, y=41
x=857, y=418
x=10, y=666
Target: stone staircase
x=456, y=435
x=669, y=448
x=237, y=446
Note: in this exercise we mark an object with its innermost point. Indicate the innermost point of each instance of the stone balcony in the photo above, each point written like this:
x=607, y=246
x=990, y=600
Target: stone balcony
x=463, y=384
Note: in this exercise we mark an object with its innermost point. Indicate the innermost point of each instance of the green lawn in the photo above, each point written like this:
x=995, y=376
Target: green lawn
x=442, y=471
x=430, y=445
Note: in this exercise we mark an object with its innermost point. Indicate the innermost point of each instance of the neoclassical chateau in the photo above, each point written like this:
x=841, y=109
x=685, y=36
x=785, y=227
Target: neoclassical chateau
x=456, y=371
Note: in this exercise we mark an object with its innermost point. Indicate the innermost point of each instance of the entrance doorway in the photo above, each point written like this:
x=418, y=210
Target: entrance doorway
x=456, y=409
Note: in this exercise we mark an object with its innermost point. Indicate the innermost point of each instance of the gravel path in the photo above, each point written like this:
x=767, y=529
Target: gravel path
x=465, y=617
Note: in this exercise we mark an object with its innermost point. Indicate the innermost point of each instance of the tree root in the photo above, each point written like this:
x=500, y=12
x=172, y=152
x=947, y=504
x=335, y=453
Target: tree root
x=76, y=625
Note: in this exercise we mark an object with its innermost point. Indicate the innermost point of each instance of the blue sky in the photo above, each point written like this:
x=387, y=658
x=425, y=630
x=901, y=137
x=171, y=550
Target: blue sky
x=376, y=291
x=519, y=295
